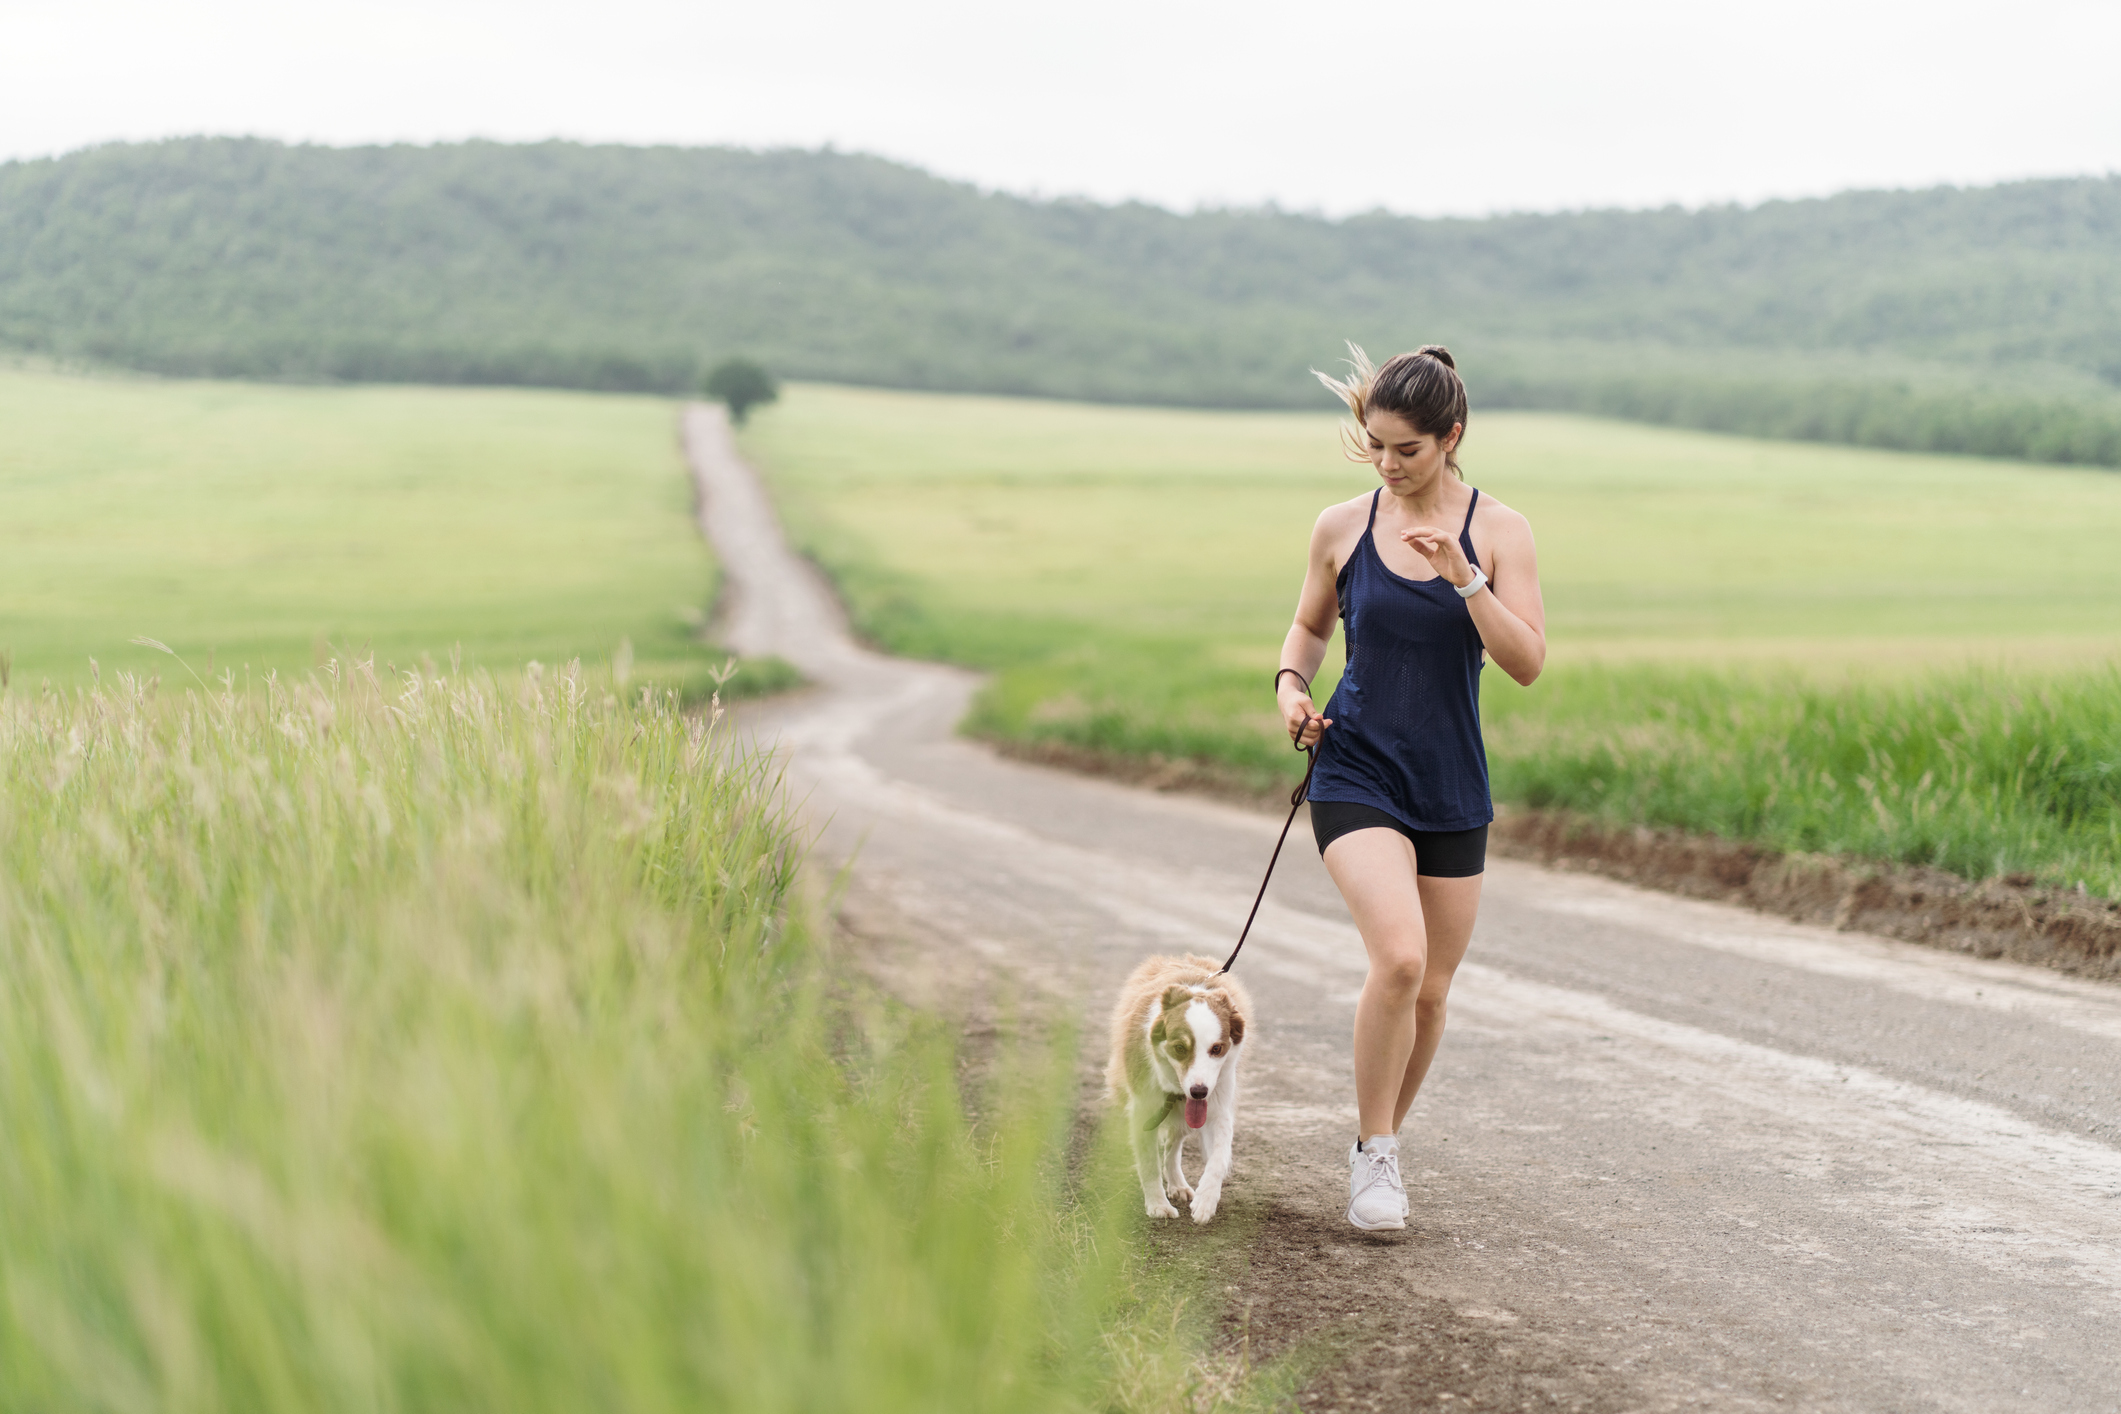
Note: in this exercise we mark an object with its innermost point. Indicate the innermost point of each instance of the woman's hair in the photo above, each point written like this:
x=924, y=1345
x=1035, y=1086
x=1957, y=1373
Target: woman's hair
x=1423, y=387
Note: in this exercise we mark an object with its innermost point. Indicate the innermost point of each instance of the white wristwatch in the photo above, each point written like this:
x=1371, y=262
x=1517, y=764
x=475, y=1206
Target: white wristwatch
x=1480, y=582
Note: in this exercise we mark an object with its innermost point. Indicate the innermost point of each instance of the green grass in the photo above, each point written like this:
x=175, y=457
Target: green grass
x=448, y=1039
x=436, y=1045
x=1129, y=575
x=270, y=526
x=1978, y=772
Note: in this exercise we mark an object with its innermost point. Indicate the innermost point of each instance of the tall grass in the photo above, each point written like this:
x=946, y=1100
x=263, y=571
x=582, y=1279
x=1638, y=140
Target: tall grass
x=1979, y=773
x=430, y=1045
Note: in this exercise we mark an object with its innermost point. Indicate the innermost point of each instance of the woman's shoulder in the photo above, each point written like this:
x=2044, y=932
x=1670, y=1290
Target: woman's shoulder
x=1339, y=528
x=1492, y=513
x=1354, y=511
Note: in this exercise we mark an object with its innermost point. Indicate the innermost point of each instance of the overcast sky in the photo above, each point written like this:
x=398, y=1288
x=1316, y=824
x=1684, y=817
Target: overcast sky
x=1468, y=107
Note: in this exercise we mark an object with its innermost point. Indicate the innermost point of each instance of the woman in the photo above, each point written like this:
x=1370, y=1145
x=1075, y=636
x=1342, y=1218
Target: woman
x=1433, y=578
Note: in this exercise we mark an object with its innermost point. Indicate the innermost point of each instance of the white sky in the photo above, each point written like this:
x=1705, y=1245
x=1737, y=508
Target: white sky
x=1466, y=107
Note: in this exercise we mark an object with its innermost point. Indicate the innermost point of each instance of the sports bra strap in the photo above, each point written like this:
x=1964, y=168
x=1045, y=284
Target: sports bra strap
x=1463, y=529
x=1373, y=510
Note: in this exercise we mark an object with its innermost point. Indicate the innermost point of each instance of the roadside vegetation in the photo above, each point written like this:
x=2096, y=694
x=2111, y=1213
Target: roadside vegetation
x=1981, y=772
x=1983, y=320
x=435, y=1043
x=1808, y=647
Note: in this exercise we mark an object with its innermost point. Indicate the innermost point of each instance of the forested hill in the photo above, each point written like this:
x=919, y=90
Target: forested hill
x=1979, y=320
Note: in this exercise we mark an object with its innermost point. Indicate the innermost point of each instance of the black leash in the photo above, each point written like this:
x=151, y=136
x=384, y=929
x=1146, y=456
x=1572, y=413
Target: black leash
x=1296, y=800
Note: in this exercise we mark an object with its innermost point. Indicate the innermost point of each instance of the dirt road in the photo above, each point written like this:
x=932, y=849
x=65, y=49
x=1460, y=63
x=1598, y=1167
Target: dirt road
x=1673, y=1154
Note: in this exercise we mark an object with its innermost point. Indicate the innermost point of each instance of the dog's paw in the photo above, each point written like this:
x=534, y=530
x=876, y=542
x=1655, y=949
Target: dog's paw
x=1161, y=1210
x=1178, y=1192
x=1206, y=1201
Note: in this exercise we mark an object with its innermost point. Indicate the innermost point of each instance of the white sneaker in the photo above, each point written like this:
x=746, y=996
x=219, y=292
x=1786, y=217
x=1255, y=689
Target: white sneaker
x=1376, y=1197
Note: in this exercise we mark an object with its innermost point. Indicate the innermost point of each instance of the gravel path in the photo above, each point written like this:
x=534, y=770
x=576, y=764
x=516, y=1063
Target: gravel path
x=1673, y=1154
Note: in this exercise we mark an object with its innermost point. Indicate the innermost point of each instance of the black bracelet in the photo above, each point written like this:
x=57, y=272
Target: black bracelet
x=1294, y=674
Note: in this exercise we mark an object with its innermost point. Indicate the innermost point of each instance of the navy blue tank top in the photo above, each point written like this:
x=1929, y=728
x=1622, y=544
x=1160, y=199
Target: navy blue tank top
x=1405, y=737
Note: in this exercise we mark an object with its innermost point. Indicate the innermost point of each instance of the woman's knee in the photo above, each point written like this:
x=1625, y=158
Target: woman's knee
x=1400, y=974
x=1429, y=1006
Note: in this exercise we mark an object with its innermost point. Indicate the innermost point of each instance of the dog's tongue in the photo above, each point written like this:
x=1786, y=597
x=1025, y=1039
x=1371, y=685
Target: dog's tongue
x=1196, y=1113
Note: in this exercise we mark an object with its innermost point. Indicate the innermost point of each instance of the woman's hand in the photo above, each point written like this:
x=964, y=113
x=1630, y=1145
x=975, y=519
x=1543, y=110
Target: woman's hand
x=1441, y=549
x=1302, y=719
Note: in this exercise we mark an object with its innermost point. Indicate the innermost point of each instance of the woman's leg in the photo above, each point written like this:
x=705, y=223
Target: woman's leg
x=1375, y=871
x=1448, y=907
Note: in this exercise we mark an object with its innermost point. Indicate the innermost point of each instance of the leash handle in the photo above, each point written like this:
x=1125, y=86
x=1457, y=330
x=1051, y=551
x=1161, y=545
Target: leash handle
x=1296, y=800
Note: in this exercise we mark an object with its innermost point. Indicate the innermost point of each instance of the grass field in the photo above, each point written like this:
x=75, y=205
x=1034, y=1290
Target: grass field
x=1130, y=573
x=265, y=526
x=441, y=1040
x=432, y=1045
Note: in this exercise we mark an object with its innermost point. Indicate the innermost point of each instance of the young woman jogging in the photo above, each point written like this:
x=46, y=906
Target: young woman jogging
x=1432, y=579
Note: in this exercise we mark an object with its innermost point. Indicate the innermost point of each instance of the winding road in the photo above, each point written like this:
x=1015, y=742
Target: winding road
x=1673, y=1155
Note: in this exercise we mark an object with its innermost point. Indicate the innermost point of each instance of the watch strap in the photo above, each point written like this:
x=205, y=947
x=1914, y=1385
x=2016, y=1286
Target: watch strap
x=1480, y=582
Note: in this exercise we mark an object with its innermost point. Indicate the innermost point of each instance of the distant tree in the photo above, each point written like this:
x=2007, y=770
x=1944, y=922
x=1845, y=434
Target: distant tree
x=743, y=385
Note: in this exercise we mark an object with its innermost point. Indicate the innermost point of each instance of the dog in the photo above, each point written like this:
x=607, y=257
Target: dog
x=1176, y=1033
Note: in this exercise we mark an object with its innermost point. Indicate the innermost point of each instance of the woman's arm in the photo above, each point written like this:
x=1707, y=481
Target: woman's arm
x=1317, y=610
x=1508, y=611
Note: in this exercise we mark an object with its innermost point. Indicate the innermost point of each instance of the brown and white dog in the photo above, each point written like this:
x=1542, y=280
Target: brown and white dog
x=1175, y=1035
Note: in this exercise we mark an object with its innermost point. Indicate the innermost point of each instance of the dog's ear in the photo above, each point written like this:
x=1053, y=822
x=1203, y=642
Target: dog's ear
x=1175, y=996
x=1237, y=1026
x=1156, y=1030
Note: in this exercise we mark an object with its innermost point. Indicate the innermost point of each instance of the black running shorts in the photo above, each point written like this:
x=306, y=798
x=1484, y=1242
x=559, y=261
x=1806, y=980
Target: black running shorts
x=1440, y=854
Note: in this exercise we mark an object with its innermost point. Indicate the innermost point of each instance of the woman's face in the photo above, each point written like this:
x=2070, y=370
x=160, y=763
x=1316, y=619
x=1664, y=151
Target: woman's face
x=1409, y=461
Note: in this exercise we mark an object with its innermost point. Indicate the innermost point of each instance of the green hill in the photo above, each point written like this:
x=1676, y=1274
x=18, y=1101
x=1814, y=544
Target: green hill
x=1984, y=320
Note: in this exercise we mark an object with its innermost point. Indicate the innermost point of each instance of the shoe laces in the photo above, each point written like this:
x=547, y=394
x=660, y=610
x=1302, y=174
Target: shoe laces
x=1384, y=1166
